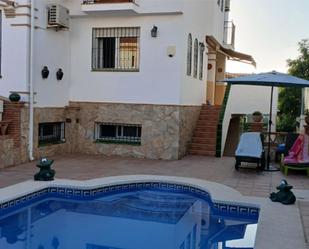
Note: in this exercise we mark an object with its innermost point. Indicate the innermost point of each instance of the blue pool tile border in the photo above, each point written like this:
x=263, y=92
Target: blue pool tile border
x=90, y=194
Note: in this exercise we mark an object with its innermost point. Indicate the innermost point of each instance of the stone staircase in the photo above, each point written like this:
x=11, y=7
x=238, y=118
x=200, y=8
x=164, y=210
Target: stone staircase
x=205, y=134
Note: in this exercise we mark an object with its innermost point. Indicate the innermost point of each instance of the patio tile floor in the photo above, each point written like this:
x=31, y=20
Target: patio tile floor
x=249, y=182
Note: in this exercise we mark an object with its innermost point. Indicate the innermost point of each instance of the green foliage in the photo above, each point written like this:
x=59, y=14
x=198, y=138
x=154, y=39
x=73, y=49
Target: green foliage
x=289, y=102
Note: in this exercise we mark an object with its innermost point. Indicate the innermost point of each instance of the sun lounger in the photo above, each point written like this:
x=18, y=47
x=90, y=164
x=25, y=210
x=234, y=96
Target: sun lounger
x=250, y=149
x=298, y=158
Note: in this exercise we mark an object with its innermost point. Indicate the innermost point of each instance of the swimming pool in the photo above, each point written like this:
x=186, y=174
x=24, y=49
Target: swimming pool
x=144, y=215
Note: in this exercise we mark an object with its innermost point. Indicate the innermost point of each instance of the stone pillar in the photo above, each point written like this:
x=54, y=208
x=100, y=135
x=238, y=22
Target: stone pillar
x=211, y=76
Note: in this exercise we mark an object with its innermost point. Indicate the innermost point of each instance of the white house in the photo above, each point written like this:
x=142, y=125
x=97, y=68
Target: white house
x=117, y=77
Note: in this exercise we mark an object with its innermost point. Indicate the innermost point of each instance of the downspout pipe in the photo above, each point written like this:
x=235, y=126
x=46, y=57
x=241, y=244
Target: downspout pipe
x=31, y=87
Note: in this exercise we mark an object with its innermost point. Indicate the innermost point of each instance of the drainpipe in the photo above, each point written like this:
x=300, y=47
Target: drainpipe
x=31, y=88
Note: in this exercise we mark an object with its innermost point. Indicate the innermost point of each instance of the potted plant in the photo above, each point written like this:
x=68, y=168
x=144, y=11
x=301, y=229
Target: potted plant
x=257, y=116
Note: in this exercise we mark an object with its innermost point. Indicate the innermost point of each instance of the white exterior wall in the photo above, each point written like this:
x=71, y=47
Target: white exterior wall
x=52, y=49
x=161, y=79
x=157, y=81
x=201, y=18
x=14, y=54
x=246, y=100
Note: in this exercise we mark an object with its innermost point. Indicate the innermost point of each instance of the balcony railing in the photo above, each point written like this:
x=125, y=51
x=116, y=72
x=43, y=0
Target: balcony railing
x=106, y=1
x=109, y=6
x=229, y=34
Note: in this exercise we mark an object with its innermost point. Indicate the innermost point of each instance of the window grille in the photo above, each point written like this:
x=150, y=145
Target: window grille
x=118, y=133
x=201, y=63
x=189, y=55
x=195, y=59
x=51, y=133
x=116, y=49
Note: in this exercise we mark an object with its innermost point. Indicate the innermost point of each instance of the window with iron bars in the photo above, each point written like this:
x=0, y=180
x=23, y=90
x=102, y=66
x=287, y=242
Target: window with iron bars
x=118, y=133
x=116, y=49
x=51, y=133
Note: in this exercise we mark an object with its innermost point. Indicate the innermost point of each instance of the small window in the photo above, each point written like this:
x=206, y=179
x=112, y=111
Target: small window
x=195, y=59
x=201, y=63
x=118, y=133
x=222, y=5
x=218, y=2
x=51, y=133
x=115, y=49
x=189, y=55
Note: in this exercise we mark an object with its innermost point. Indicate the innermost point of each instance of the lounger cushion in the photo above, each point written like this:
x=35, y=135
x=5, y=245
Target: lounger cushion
x=250, y=145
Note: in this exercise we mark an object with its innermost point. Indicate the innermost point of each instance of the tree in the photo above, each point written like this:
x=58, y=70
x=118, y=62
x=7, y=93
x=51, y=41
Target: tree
x=289, y=102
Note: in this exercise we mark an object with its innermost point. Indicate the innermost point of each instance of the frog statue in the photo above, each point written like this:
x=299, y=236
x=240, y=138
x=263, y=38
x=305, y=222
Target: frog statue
x=45, y=173
x=285, y=195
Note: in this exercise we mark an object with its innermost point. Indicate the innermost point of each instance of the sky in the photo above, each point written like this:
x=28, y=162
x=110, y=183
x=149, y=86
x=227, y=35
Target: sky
x=269, y=30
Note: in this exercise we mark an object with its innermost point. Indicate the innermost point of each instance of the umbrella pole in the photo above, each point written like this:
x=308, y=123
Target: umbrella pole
x=268, y=166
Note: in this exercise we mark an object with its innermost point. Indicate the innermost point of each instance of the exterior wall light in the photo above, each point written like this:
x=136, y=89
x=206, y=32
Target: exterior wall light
x=45, y=72
x=154, y=32
x=59, y=74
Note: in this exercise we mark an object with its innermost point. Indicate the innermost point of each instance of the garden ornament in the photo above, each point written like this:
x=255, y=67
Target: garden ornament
x=45, y=173
x=285, y=195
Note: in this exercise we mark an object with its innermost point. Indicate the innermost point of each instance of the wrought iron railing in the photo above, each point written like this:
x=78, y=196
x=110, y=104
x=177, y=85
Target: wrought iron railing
x=229, y=33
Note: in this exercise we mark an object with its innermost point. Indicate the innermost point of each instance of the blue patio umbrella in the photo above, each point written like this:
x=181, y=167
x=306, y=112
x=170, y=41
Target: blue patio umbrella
x=272, y=79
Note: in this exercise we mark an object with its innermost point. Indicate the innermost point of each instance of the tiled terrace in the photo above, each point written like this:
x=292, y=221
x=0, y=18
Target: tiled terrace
x=83, y=167
x=248, y=182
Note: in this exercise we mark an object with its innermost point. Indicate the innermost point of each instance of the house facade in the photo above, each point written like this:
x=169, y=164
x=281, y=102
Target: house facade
x=115, y=77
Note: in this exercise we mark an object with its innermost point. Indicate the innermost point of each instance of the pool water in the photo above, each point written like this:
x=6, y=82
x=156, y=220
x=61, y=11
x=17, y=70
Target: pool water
x=145, y=219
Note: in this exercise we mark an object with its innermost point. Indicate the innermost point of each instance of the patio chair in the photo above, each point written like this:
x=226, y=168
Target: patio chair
x=250, y=149
x=298, y=158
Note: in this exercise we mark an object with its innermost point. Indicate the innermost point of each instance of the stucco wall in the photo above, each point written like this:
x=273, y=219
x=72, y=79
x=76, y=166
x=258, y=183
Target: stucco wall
x=253, y=98
x=159, y=76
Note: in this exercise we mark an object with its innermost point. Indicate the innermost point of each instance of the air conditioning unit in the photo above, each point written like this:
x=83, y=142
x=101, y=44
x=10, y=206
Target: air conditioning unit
x=58, y=16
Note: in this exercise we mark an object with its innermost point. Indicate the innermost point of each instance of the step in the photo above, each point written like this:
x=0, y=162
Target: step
x=204, y=136
x=209, y=117
x=205, y=133
x=206, y=147
x=207, y=112
x=202, y=153
x=212, y=106
x=204, y=140
x=203, y=124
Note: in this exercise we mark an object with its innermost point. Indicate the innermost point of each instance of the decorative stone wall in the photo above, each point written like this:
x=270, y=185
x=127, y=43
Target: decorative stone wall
x=166, y=131
x=46, y=115
x=7, y=152
x=160, y=129
x=188, y=120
